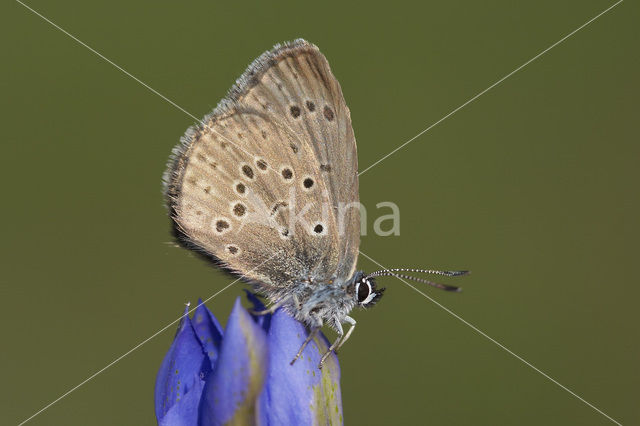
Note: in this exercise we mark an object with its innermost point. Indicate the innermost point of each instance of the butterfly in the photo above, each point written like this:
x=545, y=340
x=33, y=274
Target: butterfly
x=267, y=187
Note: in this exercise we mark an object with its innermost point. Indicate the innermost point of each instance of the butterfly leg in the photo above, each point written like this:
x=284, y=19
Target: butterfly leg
x=296, y=302
x=352, y=323
x=312, y=333
x=333, y=346
x=271, y=309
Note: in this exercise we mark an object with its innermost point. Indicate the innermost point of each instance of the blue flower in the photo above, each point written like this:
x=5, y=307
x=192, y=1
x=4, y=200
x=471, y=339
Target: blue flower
x=243, y=375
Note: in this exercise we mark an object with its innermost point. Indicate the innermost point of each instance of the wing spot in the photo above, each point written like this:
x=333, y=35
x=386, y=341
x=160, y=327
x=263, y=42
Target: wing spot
x=261, y=164
x=318, y=229
x=264, y=134
x=240, y=188
x=222, y=225
x=213, y=165
x=295, y=111
x=328, y=113
x=223, y=145
x=307, y=183
x=287, y=173
x=294, y=148
x=239, y=210
x=284, y=233
x=311, y=106
x=248, y=171
x=325, y=167
x=207, y=189
x=233, y=249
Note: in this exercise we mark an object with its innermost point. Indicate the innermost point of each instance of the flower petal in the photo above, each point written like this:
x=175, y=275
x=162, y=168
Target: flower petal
x=230, y=394
x=185, y=412
x=299, y=393
x=263, y=320
x=208, y=330
x=182, y=365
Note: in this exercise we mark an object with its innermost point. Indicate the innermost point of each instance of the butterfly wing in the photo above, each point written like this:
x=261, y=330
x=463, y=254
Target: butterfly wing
x=267, y=183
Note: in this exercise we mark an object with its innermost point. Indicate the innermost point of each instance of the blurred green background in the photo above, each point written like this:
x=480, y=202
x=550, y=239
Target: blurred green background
x=534, y=187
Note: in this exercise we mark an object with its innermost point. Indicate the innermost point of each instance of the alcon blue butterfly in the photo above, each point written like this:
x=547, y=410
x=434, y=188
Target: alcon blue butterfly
x=267, y=186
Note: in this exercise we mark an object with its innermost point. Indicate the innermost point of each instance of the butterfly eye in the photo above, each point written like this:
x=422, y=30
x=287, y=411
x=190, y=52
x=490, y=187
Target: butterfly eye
x=363, y=291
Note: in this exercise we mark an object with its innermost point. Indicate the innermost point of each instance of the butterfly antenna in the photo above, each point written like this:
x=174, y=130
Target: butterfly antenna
x=424, y=271
x=390, y=273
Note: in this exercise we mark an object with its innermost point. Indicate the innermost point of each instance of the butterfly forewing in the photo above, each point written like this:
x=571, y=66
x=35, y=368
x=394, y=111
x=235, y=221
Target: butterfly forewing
x=268, y=182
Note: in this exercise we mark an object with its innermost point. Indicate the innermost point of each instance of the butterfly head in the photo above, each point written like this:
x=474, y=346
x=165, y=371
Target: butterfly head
x=365, y=291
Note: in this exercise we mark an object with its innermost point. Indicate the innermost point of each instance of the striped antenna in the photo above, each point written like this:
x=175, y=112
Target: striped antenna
x=424, y=271
x=393, y=273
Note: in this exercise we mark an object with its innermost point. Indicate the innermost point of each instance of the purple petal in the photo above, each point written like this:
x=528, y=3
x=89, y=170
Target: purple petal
x=230, y=394
x=185, y=412
x=208, y=330
x=299, y=393
x=182, y=365
x=263, y=320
